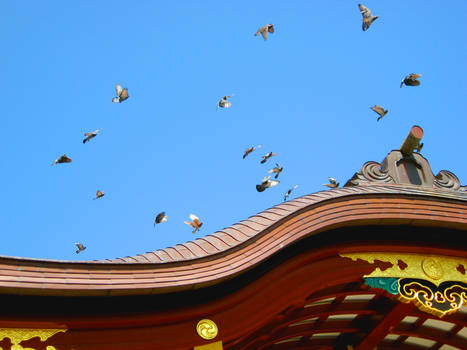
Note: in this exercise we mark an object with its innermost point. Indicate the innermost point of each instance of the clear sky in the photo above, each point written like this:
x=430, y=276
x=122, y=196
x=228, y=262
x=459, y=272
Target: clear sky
x=304, y=93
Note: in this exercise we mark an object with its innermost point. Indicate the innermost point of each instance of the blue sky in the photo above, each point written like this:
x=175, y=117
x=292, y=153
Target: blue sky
x=304, y=93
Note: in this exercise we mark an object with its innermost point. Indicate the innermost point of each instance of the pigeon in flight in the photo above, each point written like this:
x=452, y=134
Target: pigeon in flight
x=80, y=247
x=380, y=110
x=266, y=183
x=195, y=223
x=332, y=183
x=264, y=30
x=223, y=103
x=122, y=94
x=368, y=18
x=99, y=194
x=289, y=192
x=267, y=156
x=62, y=159
x=161, y=217
x=249, y=150
x=90, y=135
x=276, y=170
x=411, y=80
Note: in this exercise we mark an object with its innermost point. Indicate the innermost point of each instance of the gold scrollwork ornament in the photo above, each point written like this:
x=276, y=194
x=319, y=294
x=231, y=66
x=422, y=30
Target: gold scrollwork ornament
x=207, y=329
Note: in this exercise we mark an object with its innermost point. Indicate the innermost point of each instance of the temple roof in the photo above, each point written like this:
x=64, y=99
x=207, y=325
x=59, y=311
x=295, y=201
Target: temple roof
x=240, y=247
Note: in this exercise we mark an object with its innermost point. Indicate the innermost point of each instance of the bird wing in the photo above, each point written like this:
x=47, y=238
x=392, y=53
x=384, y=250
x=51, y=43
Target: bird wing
x=188, y=223
x=270, y=171
x=63, y=159
x=332, y=180
x=272, y=183
x=261, y=30
x=124, y=95
x=115, y=100
x=413, y=76
x=378, y=109
x=193, y=217
x=365, y=11
x=118, y=89
x=264, y=33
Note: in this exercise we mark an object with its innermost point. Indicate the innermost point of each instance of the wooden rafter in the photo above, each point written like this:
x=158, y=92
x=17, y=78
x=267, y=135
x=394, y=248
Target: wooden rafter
x=392, y=319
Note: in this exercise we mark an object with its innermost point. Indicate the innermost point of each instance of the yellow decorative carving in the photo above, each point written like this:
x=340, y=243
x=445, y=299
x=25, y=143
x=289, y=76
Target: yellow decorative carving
x=436, y=302
x=213, y=346
x=207, y=329
x=17, y=335
x=434, y=268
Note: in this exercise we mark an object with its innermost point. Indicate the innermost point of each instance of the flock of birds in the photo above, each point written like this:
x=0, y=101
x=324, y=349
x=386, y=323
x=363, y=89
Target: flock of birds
x=266, y=182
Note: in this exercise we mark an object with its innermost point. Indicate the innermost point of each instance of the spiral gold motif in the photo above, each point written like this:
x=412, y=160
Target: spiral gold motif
x=432, y=268
x=206, y=329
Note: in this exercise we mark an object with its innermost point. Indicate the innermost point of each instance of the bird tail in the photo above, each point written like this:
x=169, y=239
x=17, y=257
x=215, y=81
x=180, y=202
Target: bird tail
x=379, y=118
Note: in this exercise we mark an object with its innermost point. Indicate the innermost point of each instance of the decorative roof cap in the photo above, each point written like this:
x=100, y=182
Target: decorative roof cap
x=406, y=167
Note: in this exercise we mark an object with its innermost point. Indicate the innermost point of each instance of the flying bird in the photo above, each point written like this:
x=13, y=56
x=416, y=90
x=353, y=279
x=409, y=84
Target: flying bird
x=62, y=159
x=195, y=223
x=267, y=156
x=276, y=170
x=99, y=194
x=80, y=247
x=264, y=30
x=411, y=80
x=332, y=183
x=368, y=18
x=380, y=110
x=266, y=183
x=289, y=192
x=161, y=217
x=90, y=135
x=122, y=94
x=249, y=150
x=223, y=103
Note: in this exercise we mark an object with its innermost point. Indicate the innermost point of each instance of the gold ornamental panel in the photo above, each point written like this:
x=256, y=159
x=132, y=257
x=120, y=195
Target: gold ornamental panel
x=17, y=335
x=434, y=268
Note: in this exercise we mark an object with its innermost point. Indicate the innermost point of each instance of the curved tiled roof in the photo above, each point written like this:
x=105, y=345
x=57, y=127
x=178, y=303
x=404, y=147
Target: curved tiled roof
x=238, y=233
x=235, y=249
